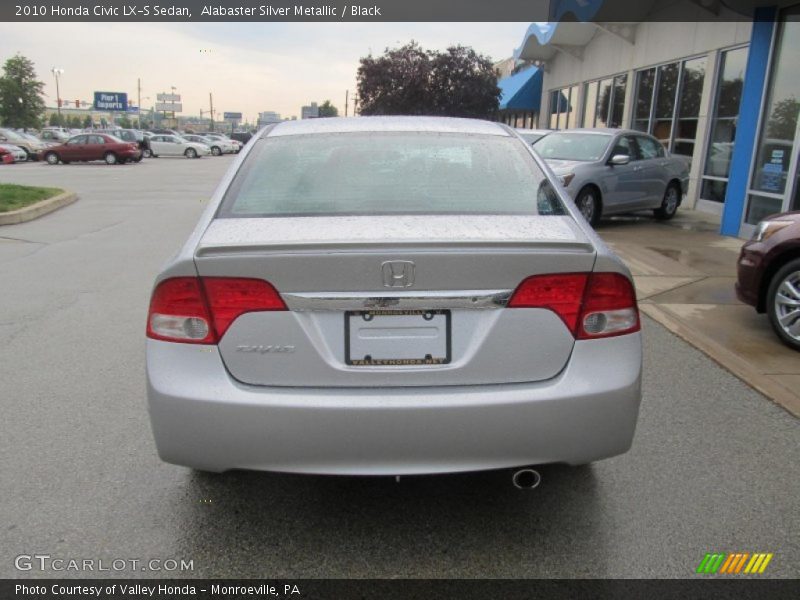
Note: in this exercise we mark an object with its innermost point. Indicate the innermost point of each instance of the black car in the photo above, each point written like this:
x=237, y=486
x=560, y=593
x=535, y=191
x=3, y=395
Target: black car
x=241, y=136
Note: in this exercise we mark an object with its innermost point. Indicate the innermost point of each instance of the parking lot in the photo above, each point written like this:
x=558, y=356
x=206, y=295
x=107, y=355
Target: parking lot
x=714, y=467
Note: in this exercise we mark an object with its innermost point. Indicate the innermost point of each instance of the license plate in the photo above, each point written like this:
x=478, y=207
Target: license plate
x=397, y=338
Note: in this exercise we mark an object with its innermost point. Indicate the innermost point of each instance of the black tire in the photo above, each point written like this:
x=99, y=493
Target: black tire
x=190, y=153
x=147, y=153
x=782, y=295
x=52, y=158
x=588, y=204
x=670, y=203
x=137, y=159
x=216, y=150
x=110, y=158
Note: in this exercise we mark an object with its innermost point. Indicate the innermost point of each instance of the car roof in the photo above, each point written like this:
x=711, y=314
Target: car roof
x=603, y=131
x=386, y=124
x=536, y=131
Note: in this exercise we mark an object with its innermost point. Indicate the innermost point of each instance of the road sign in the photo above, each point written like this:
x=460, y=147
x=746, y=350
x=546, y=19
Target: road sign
x=111, y=101
x=232, y=116
x=168, y=97
x=169, y=107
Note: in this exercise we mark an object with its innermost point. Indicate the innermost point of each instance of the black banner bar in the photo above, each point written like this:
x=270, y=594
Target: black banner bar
x=377, y=10
x=737, y=587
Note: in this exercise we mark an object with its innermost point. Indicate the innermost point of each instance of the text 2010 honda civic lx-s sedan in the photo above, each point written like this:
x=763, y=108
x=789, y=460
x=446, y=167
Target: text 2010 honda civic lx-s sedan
x=391, y=296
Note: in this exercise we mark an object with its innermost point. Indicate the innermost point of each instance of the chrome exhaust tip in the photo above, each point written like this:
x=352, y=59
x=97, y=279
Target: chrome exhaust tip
x=526, y=479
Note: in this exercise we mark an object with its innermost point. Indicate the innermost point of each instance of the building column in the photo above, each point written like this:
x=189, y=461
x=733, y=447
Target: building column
x=744, y=147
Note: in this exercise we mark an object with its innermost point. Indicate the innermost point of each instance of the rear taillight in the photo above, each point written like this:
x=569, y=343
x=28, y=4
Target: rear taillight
x=560, y=293
x=592, y=305
x=199, y=310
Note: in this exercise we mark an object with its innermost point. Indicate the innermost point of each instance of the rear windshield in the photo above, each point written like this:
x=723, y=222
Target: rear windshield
x=389, y=173
x=572, y=146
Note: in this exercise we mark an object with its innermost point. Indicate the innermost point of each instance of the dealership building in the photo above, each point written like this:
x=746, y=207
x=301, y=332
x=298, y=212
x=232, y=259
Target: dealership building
x=722, y=91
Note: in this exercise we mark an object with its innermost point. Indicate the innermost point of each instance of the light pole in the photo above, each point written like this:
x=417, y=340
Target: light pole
x=57, y=73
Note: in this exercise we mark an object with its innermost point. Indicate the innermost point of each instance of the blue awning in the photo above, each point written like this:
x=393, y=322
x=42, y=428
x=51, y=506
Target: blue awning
x=521, y=91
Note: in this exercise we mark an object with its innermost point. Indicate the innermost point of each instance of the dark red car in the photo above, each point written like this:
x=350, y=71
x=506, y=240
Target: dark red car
x=6, y=158
x=92, y=146
x=769, y=274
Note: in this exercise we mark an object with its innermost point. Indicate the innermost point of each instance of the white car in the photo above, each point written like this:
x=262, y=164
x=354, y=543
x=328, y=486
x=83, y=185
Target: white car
x=226, y=144
x=172, y=145
x=18, y=153
x=218, y=146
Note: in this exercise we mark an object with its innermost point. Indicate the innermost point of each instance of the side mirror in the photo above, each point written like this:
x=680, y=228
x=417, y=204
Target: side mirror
x=619, y=159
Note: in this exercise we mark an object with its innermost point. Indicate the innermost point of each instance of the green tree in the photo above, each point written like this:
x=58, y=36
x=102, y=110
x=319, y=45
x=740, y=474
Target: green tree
x=56, y=120
x=125, y=122
x=326, y=109
x=74, y=122
x=87, y=122
x=21, y=101
x=413, y=81
x=782, y=121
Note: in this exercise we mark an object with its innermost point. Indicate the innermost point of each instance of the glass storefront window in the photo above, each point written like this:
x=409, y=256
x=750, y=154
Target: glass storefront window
x=564, y=108
x=666, y=90
x=604, y=102
x=723, y=126
x=668, y=103
x=618, y=101
x=645, y=81
x=693, y=76
x=589, y=104
x=774, y=173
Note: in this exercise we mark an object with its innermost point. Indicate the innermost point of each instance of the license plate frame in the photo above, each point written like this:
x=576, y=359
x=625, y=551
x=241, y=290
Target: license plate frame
x=428, y=360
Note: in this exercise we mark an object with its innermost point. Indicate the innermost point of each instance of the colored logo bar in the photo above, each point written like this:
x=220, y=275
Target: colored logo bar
x=734, y=563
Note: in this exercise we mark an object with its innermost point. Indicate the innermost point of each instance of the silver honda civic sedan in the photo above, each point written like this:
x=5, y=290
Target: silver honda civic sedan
x=391, y=296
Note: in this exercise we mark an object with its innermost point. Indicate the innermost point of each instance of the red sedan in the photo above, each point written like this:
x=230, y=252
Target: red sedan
x=6, y=158
x=769, y=274
x=92, y=146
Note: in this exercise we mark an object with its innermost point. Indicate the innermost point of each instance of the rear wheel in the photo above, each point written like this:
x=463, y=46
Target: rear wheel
x=783, y=303
x=216, y=150
x=51, y=158
x=110, y=158
x=669, y=205
x=588, y=204
x=191, y=153
x=147, y=153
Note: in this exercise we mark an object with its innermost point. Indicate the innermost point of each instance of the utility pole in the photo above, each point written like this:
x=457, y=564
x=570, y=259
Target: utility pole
x=211, y=104
x=346, y=94
x=139, y=99
x=56, y=73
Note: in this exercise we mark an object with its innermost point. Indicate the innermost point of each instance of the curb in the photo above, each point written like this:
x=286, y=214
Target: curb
x=726, y=359
x=34, y=211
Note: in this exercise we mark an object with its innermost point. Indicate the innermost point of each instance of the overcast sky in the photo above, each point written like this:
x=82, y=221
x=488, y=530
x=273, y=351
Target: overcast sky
x=249, y=67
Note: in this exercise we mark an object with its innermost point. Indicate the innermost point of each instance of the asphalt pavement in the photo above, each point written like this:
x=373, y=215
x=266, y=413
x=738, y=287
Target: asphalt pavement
x=714, y=467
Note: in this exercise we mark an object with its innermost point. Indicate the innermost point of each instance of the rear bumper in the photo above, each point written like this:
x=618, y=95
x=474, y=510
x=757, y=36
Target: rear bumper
x=203, y=418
